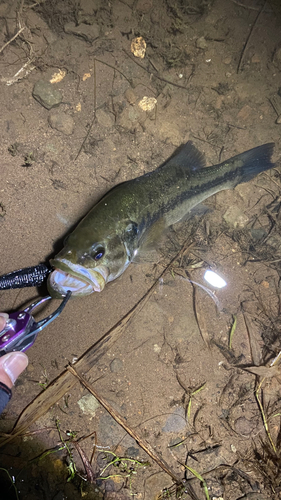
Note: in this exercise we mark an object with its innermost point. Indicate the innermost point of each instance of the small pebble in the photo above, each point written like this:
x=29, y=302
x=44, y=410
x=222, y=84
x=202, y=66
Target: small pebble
x=244, y=426
x=46, y=94
x=104, y=119
x=235, y=217
x=116, y=365
x=88, y=404
x=227, y=60
x=62, y=122
x=175, y=422
x=130, y=96
x=201, y=43
x=88, y=32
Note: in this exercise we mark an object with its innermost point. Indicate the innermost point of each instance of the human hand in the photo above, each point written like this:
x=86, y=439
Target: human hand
x=11, y=364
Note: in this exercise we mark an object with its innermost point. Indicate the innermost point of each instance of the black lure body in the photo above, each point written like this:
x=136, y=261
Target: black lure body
x=26, y=277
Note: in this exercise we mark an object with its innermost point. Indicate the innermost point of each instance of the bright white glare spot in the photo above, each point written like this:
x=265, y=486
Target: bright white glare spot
x=214, y=279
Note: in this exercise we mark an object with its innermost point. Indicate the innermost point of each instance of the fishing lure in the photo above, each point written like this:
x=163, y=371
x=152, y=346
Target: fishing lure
x=28, y=276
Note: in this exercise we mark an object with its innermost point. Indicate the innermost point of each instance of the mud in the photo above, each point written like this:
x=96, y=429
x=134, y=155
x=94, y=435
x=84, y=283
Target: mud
x=214, y=69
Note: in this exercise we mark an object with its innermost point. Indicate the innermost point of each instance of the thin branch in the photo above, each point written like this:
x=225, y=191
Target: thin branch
x=248, y=37
x=121, y=421
x=155, y=74
x=12, y=39
x=65, y=381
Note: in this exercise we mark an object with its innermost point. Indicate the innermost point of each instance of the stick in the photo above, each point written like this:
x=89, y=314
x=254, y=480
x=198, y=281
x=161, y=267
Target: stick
x=64, y=383
x=12, y=39
x=120, y=420
x=248, y=37
x=155, y=74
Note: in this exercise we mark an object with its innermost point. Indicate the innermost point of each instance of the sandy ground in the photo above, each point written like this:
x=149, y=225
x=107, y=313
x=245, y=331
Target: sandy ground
x=212, y=89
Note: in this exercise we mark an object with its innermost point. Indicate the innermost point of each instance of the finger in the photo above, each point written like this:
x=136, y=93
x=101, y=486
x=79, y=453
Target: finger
x=3, y=320
x=11, y=366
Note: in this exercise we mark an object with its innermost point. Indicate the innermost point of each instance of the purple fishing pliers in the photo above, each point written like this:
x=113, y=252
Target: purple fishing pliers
x=21, y=329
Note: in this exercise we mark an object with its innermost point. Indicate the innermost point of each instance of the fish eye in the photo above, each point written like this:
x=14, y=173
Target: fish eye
x=98, y=253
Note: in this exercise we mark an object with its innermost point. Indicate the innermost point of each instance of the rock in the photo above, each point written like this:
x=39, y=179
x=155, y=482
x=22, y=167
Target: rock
x=90, y=7
x=201, y=43
x=46, y=94
x=130, y=96
x=104, y=119
x=155, y=16
x=170, y=133
x=244, y=426
x=258, y=234
x=144, y=6
x=59, y=496
x=175, y=422
x=109, y=431
x=86, y=31
x=256, y=59
x=235, y=217
x=130, y=117
x=88, y=404
x=227, y=60
x=245, y=113
x=62, y=122
x=116, y=365
x=132, y=452
x=274, y=242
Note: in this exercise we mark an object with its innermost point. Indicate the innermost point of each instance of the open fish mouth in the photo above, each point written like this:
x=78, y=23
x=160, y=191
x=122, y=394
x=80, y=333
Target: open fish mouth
x=78, y=279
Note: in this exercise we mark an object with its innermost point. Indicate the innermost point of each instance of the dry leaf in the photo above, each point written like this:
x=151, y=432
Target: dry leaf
x=86, y=75
x=58, y=77
x=265, y=371
x=148, y=103
x=138, y=47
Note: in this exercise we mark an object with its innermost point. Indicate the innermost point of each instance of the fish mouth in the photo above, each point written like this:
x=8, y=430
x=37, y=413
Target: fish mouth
x=78, y=279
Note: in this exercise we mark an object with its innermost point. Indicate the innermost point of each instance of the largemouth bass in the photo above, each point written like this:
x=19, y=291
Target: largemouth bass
x=134, y=212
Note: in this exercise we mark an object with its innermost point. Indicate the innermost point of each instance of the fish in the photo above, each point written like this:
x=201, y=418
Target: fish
x=135, y=213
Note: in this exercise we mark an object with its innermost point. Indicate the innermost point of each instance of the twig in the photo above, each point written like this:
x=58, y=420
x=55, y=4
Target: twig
x=12, y=39
x=121, y=421
x=232, y=330
x=88, y=468
x=199, y=317
x=248, y=37
x=116, y=69
x=155, y=74
x=249, y=7
x=263, y=415
x=18, y=76
x=57, y=389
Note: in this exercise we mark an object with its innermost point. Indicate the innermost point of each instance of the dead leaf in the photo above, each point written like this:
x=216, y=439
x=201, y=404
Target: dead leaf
x=58, y=77
x=138, y=47
x=265, y=371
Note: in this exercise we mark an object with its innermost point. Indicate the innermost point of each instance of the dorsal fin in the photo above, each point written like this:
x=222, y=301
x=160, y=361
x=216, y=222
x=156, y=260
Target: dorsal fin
x=187, y=156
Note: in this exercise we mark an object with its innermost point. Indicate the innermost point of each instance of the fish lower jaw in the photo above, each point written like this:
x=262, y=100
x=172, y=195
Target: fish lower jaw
x=62, y=281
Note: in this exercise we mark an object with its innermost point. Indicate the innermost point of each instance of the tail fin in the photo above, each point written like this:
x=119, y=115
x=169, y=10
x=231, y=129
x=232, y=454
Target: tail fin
x=254, y=161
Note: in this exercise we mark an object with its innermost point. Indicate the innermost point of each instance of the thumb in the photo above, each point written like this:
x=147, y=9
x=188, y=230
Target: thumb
x=11, y=366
